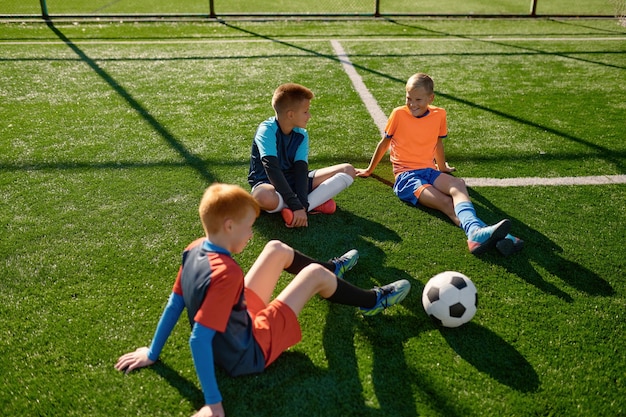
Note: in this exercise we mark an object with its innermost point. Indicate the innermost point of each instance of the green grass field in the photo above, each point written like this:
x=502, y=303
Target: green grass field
x=344, y=7
x=110, y=132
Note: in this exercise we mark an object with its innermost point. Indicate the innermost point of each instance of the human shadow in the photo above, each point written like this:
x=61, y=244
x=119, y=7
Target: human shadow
x=543, y=251
x=295, y=385
x=490, y=354
x=398, y=385
x=539, y=249
x=321, y=239
x=186, y=388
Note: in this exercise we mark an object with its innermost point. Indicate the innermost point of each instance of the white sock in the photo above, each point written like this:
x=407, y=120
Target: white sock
x=281, y=204
x=328, y=189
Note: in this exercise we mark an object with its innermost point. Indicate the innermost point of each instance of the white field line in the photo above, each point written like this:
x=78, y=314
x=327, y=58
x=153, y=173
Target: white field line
x=450, y=38
x=370, y=102
x=529, y=181
x=381, y=120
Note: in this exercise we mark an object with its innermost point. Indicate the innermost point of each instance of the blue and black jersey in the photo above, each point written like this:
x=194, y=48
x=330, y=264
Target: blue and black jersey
x=281, y=160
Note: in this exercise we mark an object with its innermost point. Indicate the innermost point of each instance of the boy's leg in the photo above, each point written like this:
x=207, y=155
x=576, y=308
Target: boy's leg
x=323, y=174
x=338, y=266
x=433, y=198
x=315, y=279
x=265, y=272
x=276, y=326
x=328, y=182
x=312, y=280
x=277, y=257
x=509, y=245
x=480, y=236
x=452, y=186
x=268, y=198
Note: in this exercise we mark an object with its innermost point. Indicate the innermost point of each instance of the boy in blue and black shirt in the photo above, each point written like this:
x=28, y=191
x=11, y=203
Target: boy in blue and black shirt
x=279, y=169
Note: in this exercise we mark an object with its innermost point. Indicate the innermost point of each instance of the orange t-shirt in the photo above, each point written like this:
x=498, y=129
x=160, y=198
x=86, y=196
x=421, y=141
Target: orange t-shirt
x=413, y=139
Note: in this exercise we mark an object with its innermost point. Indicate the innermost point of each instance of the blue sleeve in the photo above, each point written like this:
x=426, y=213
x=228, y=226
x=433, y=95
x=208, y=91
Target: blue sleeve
x=171, y=313
x=265, y=138
x=201, y=343
x=302, y=153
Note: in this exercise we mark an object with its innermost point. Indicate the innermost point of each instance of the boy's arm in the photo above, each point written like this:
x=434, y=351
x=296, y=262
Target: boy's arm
x=301, y=172
x=201, y=343
x=171, y=313
x=278, y=180
x=147, y=356
x=440, y=156
x=380, y=151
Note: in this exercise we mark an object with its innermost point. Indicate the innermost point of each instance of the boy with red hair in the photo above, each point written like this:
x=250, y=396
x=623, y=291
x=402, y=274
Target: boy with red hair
x=235, y=323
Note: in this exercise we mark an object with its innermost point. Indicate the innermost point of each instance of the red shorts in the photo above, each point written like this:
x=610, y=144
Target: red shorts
x=275, y=326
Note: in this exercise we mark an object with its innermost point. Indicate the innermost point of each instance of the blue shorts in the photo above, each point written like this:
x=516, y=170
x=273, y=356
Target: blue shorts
x=410, y=184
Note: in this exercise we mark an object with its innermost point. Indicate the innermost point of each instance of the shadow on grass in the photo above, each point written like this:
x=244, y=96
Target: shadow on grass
x=190, y=159
x=490, y=354
x=525, y=50
x=545, y=253
x=593, y=30
x=186, y=388
x=610, y=155
x=294, y=385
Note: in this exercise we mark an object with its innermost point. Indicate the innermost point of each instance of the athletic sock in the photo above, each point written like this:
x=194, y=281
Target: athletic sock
x=328, y=189
x=466, y=214
x=281, y=204
x=351, y=295
x=300, y=261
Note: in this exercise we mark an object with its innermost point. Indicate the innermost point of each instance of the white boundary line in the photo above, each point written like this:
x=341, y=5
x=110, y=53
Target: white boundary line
x=381, y=120
x=381, y=39
x=529, y=181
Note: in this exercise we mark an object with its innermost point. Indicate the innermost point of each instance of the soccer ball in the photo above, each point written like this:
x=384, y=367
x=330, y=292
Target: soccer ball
x=450, y=299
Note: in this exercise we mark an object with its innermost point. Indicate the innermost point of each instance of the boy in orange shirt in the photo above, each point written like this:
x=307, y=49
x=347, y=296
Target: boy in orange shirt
x=235, y=323
x=414, y=134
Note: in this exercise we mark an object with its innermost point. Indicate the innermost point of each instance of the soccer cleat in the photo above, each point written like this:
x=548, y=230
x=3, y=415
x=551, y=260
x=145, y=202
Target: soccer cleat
x=387, y=296
x=328, y=207
x=509, y=245
x=345, y=262
x=485, y=237
x=287, y=216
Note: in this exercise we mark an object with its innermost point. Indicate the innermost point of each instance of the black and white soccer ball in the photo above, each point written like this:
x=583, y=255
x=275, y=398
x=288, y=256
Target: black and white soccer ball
x=450, y=299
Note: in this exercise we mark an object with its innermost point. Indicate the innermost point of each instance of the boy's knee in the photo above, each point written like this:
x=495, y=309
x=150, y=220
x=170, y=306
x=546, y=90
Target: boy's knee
x=266, y=198
x=459, y=183
x=348, y=169
x=317, y=272
x=276, y=245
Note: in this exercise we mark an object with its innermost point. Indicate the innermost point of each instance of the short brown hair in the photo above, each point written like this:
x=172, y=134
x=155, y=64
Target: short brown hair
x=224, y=201
x=421, y=80
x=288, y=96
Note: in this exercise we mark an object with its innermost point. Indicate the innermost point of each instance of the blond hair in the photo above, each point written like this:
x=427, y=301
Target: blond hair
x=224, y=201
x=421, y=80
x=288, y=96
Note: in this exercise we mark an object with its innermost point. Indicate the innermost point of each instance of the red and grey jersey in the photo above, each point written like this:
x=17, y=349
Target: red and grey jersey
x=211, y=283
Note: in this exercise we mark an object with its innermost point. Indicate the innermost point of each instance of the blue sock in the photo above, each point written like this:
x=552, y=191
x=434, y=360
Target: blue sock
x=467, y=216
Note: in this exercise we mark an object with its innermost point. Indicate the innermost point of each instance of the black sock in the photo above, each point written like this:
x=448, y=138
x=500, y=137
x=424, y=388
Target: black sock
x=351, y=295
x=300, y=261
